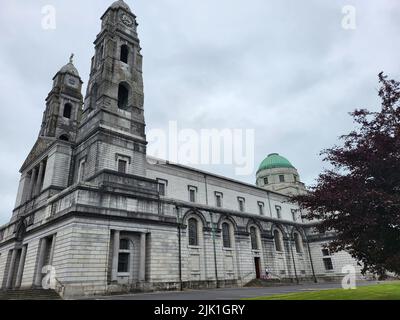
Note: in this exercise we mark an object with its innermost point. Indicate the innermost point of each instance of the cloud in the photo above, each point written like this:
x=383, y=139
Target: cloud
x=285, y=68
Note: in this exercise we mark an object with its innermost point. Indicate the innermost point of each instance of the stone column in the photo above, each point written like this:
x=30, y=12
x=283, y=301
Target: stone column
x=142, y=265
x=21, y=267
x=115, y=256
x=42, y=253
x=39, y=179
x=11, y=269
x=25, y=189
x=31, y=184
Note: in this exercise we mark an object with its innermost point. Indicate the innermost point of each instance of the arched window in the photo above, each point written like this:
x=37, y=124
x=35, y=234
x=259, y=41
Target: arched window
x=123, y=94
x=298, y=243
x=226, y=235
x=64, y=137
x=124, y=53
x=253, y=238
x=67, y=111
x=193, y=234
x=278, y=241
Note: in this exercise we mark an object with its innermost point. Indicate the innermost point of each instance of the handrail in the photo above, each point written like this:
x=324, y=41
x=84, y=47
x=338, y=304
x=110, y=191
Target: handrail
x=275, y=275
x=247, y=274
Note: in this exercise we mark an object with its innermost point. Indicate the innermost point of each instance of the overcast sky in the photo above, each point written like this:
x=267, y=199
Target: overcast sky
x=285, y=68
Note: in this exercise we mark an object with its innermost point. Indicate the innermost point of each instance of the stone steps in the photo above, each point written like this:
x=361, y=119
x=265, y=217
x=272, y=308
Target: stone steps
x=29, y=294
x=268, y=282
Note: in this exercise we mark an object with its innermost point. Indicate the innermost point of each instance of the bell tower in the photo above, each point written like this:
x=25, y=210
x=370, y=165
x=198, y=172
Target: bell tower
x=63, y=105
x=46, y=170
x=113, y=114
x=115, y=87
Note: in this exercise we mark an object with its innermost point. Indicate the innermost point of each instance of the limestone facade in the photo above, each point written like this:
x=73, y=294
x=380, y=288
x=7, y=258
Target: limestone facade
x=93, y=207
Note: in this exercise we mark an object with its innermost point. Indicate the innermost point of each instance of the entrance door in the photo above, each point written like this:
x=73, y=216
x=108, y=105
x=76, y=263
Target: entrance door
x=257, y=266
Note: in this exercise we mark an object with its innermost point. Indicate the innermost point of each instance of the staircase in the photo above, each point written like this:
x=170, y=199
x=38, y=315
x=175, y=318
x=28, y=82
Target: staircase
x=264, y=283
x=29, y=294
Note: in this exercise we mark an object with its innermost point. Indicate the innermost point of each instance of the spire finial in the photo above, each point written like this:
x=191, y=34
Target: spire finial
x=71, y=58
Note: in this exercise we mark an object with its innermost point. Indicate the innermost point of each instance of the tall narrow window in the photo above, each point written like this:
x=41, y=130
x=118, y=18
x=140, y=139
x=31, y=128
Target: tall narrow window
x=278, y=212
x=218, y=199
x=124, y=53
x=67, y=111
x=192, y=193
x=261, y=208
x=294, y=215
x=124, y=255
x=241, y=204
x=123, y=262
x=226, y=235
x=193, y=236
x=266, y=180
x=192, y=196
x=278, y=241
x=298, y=243
x=281, y=178
x=122, y=166
x=253, y=238
x=161, y=189
x=123, y=94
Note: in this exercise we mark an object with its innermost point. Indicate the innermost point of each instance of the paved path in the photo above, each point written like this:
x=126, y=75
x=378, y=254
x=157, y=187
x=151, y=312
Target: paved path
x=228, y=293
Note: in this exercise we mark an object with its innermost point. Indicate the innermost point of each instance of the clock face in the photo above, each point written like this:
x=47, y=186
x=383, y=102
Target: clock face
x=127, y=20
x=72, y=82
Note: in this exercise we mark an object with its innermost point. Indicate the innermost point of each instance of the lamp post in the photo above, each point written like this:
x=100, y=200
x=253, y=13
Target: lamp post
x=179, y=246
x=215, y=249
x=311, y=261
x=294, y=263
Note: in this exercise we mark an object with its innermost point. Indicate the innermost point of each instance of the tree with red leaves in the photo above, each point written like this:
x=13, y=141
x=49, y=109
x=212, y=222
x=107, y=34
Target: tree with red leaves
x=359, y=198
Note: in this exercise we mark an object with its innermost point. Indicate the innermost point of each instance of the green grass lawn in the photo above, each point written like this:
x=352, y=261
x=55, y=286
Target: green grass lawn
x=385, y=291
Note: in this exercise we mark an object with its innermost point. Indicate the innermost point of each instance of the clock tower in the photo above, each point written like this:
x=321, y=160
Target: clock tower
x=113, y=114
x=63, y=105
x=116, y=82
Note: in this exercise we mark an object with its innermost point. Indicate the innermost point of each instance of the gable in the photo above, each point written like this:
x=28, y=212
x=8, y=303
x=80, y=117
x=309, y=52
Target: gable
x=42, y=145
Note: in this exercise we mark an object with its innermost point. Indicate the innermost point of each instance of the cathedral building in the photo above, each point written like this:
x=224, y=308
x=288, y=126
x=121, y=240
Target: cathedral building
x=93, y=207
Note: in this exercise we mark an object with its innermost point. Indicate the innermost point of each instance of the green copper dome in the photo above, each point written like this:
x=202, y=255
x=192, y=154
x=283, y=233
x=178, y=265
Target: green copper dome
x=274, y=160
